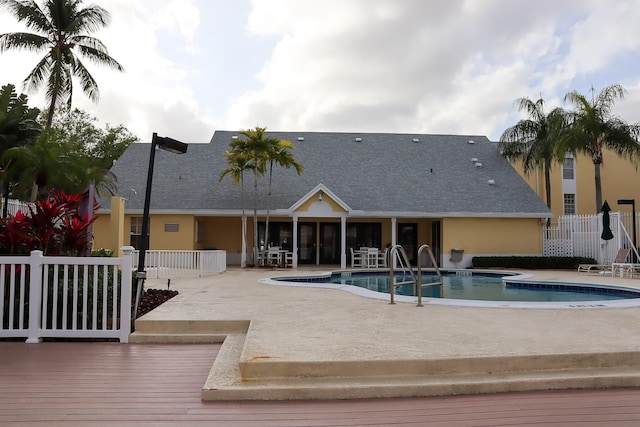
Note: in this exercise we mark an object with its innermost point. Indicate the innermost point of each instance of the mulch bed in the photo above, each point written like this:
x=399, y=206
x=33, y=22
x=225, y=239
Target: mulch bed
x=153, y=298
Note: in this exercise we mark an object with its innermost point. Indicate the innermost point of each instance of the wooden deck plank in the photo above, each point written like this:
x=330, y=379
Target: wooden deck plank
x=158, y=384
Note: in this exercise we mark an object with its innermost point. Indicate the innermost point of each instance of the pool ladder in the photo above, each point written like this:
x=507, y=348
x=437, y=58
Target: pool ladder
x=398, y=253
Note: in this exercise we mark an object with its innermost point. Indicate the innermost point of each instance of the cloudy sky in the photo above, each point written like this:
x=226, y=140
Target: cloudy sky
x=427, y=66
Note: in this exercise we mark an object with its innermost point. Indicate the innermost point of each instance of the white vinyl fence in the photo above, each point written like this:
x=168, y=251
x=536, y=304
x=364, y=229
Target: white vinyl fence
x=13, y=206
x=170, y=264
x=579, y=235
x=65, y=297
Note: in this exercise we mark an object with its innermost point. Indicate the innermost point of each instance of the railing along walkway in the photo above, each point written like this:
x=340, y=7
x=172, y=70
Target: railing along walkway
x=162, y=264
x=160, y=384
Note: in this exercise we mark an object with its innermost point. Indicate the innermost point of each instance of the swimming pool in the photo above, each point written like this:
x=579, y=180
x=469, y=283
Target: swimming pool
x=474, y=288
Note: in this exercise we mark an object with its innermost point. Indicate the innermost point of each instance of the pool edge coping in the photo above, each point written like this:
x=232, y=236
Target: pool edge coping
x=546, y=305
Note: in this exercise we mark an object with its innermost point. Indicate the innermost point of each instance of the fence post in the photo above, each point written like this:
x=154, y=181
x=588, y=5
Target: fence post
x=35, y=296
x=125, y=302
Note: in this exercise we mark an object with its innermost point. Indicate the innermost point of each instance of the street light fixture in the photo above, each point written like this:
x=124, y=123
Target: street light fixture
x=632, y=202
x=172, y=146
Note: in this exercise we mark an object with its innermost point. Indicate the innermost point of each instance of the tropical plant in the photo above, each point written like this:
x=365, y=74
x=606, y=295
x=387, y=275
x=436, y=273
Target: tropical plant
x=237, y=166
x=70, y=156
x=256, y=152
x=534, y=140
x=279, y=152
x=62, y=30
x=56, y=226
x=592, y=127
x=18, y=126
x=39, y=166
x=253, y=148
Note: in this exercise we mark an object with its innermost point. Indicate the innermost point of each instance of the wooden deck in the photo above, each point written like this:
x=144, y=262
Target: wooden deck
x=159, y=384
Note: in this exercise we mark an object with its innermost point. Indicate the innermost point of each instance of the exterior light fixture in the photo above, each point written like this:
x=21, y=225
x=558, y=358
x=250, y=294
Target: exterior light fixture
x=172, y=146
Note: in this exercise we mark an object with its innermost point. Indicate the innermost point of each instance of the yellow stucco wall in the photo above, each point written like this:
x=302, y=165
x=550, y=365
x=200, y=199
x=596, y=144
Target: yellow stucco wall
x=492, y=235
x=304, y=207
x=102, y=236
x=160, y=239
x=619, y=181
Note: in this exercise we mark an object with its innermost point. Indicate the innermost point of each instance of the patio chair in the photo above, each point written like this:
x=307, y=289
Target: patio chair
x=371, y=257
x=356, y=259
x=382, y=258
x=273, y=255
x=623, y=253
x=288, y=259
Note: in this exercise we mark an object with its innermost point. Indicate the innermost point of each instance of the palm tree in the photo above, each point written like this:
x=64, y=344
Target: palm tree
x=62, y=32
x=535, y=140
x=279, y=152
x=592, y=127
x=237, y=166
x=40, y=166
x=254, y=149
x=18, y=126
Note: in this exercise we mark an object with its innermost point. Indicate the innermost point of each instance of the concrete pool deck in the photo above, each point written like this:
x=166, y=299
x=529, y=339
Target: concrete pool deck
x=309, y=343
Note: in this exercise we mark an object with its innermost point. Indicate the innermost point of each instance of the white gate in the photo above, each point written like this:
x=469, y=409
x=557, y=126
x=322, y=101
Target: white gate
x=579, y=236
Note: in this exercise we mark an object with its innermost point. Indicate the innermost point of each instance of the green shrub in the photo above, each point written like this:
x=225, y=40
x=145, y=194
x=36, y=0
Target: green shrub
x=531, y=262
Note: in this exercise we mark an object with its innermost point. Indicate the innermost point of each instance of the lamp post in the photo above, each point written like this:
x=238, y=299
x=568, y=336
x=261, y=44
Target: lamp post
x=632, y=202
x=172, y=146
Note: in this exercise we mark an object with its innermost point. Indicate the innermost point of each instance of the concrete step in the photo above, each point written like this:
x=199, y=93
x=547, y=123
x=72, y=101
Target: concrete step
x=149, y=338
x=191, y=326
x=232, y=378
x=425, y=385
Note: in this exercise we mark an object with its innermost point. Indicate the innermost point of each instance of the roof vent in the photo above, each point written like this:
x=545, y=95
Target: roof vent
x=234, y=137
x=358, y=139
x=471, y=141
x=416, y=139
x=474, y=159
x=301, y=138
x=478, y=164
x=491, y=182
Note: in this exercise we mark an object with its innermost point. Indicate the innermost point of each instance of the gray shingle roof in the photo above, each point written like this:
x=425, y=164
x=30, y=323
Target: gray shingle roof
x=382, y=174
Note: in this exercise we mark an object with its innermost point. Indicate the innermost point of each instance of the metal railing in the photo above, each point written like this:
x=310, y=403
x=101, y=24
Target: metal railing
x=435, y=266
x=167, y=264
x=397, y=253
x=65, y=297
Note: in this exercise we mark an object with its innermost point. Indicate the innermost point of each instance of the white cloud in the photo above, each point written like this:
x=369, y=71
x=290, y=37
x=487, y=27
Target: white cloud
x=446, y=66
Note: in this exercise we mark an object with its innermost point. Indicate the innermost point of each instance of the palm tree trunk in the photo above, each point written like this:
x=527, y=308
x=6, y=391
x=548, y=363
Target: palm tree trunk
x=255, y=217
x=598, y=187
x=52, y=107
x=243, y=256
x=547, y=185
x=266, y=230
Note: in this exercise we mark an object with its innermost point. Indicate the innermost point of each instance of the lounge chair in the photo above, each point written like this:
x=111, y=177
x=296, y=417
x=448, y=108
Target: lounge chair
x=623, y=253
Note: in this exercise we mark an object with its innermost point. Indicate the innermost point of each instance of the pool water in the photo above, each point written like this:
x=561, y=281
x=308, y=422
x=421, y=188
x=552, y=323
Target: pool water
x=476, y=286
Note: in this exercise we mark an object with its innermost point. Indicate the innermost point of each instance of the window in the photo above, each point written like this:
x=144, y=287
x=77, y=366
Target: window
x=171, y=228
x=136, y=232
x=568, y=168
x=361, y=234
x=569, y=204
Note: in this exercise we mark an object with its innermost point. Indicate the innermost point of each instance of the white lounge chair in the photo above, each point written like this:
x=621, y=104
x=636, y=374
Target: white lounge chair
x=623, y=253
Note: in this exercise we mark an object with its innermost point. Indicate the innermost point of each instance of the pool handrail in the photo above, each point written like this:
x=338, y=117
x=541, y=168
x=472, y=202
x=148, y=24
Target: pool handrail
x=435, y=266
x=397, y=251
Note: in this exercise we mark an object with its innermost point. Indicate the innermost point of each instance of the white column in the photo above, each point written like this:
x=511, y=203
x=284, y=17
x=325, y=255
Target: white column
x=343, y=242
x=394, y=238
x=295, y=242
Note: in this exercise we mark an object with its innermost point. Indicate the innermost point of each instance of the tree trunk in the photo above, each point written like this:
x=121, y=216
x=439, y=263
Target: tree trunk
x=243, y=255
x=255, y=217
x=547, y=186
x=598, y=187
x=266, y=229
